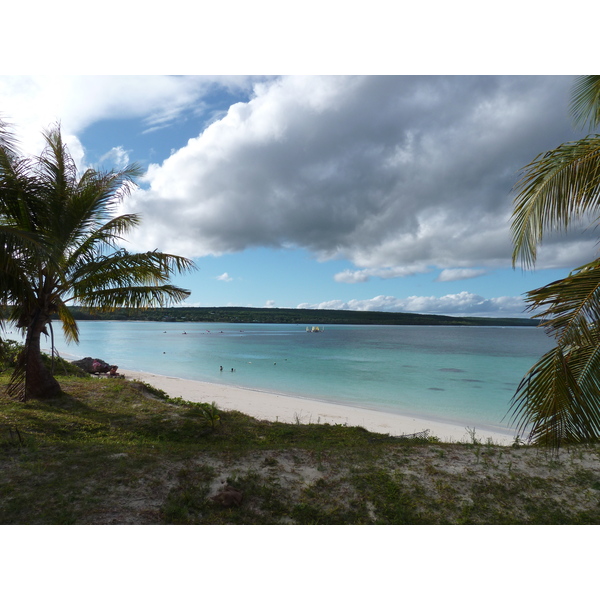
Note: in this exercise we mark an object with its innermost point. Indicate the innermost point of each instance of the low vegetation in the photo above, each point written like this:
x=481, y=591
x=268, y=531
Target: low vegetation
x=301, y=316
x=111, y=451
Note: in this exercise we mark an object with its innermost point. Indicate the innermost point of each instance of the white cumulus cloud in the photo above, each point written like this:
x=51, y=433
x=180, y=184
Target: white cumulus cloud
x=35, y=102
x=395, y=174
x=117, y=156
x=362, y=275
x=461, y=304
x=459, y=274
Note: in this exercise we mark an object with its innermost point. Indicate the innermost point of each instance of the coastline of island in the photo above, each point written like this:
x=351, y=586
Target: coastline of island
x=291, y=316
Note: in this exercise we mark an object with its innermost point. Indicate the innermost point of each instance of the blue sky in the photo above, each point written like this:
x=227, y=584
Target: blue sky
x=354, y=192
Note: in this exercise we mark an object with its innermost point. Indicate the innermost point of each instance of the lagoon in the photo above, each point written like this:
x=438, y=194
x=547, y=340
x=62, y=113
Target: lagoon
x=462, y=375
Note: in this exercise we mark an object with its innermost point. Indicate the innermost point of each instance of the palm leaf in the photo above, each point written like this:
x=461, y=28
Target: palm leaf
x=137, y=280
x=550, y=407
x=585, y=102
x=95, y=197
x=134, y=297
x=559, y=398
x=17, y=385
x=125, y=269
x=8, y=142
x=69, y=325
x=556, y=188
x=569, y=307
x=105, y=237
x=584, y=362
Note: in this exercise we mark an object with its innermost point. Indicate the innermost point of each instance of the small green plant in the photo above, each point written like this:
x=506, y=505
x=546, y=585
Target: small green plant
x=473, y=436
x=517, y=442
x=210, y=415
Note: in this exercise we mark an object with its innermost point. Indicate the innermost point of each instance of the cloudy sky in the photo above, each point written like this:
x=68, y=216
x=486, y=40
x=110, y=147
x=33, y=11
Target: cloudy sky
x=354, y=192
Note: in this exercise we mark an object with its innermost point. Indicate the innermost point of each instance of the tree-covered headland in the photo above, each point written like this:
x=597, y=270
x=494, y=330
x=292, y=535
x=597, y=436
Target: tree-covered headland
x=231, y=314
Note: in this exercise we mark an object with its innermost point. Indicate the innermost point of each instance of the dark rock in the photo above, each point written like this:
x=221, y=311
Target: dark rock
x=92, y=365
x=228, y=497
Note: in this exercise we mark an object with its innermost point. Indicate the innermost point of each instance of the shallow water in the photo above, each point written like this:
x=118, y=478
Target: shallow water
x=466, y=375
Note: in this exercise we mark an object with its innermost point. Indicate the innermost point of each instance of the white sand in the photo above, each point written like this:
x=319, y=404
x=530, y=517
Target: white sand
x=289, y=409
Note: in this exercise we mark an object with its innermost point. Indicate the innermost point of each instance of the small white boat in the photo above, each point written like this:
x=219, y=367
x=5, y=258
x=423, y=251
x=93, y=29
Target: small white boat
x=315, y=329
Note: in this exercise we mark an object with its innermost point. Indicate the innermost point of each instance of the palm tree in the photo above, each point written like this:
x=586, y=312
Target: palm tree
x=558, y=401
x=59, y=247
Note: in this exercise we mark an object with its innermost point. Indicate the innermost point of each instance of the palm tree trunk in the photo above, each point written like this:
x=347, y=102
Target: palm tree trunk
x=39, y=381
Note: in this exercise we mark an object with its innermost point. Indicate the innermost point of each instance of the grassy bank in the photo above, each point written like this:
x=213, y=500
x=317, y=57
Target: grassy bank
x=116, y=452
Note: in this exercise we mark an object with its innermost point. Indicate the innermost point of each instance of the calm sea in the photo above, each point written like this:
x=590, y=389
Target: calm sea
x=466, y=375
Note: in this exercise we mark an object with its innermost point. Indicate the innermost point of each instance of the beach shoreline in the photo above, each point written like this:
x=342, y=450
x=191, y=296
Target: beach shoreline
x=271, y=406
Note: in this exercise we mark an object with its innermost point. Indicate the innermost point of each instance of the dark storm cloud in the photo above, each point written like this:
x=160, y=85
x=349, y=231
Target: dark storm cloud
x=396, y=174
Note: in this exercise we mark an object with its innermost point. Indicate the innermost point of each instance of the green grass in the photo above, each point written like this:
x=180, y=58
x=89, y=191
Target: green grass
x=113, y=451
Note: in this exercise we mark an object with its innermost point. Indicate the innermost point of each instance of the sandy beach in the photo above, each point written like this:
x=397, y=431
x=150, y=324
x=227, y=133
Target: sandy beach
x=289, y=409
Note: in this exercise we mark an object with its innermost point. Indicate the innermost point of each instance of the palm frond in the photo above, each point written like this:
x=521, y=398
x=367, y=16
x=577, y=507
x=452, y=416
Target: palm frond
x=584, y=362
x=17, y=385
x=97, y=194
x=57, y=169
x=137, y=297
x=558, y=398
x=557, y=187
x=8, y=142
x=15, y=285
x=123, y=279
x=570, y=308
x=21, y=203
x=550, y=407
x=585, y=101
x=13, y=237
x=69, y=325
x=104, y=238
x=125, y=269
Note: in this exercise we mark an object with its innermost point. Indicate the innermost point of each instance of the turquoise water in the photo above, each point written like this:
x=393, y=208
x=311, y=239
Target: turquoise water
x=466, y=375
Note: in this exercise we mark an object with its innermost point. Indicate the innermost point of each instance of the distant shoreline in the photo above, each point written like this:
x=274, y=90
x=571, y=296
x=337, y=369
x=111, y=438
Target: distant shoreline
x=298, y=316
